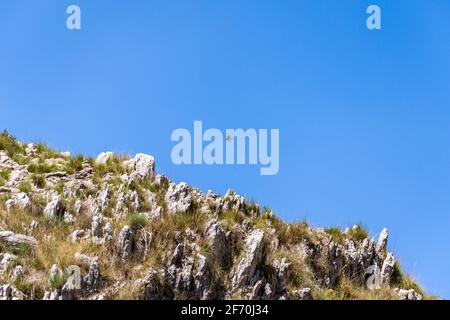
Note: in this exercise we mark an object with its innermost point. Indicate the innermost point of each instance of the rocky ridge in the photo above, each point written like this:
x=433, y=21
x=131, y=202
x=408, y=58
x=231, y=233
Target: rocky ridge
x=111, y=228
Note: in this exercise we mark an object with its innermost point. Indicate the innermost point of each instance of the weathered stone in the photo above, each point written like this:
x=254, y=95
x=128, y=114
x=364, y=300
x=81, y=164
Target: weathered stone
x=145, y=165
x=54, y=208
x=16, y=239
x=254, y=249
x=6, y=259
x=178, y=198
x=19, y=201
x=103, y=157
x=382, y=243
x=388, y=268
x=218, y=243
x=124, y=243
x=408, y=294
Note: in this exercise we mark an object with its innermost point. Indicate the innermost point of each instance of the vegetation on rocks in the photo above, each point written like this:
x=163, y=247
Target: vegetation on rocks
x=133, y=234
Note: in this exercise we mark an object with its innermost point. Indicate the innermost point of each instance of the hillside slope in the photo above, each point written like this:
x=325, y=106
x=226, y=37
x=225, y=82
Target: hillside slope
x=110, y=228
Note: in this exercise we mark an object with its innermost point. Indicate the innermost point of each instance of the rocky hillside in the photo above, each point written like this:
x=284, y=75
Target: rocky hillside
x=111, y=228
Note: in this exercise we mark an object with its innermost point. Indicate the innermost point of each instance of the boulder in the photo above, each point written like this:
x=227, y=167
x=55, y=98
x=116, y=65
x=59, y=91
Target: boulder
x=254, y=250
x=103, y=157
x=54, y=208
x=408, y=294
x=144, y=165
x=14, y=239
x=178, y=198
x=19, y=201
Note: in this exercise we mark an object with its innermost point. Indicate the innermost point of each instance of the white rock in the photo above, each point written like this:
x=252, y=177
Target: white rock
x=53, y=208
x=19, y=201
x=103, y=157
x=125, y=243
x=178, y=198
x=408, y=294
x=388, y=268
x=382, y=242
x=16, y=239
x=5, y=261
x=145, y=165
x=254, y=246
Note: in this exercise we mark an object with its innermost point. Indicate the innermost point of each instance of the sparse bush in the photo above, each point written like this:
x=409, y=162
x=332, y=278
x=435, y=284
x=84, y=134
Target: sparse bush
x=358, y=233
x=74, y=164
x=113, y=165
x=41, y=168
x=10, y=145
x=336, y=234
x=4, y=176
x=25, y=186
x=137, y=221
x=38, y=180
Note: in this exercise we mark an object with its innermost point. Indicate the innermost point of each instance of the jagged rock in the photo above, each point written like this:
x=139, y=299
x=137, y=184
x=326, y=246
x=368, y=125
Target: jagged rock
x=54, y=208
x=77, y=206
x=144, y=165
x=18, y=175
x=103, y=198
x=218, y=243
x=92, y=280
x=143, y=242
x=68, y=292
x=54, y=295
x=382, y=243
x=408, y=294
x=269, y=294
x=68, y=218
x=6, y=259
x=6, y=292
x=103, y=157
x=16, y=239
x=388, y=268
x=19, y=201
x=78, y=235
x=96, y=225
x=124, y=243
x=283, y=269
x=202, y=278
x=254, y=247
x=18, y=273
x=161, y=181
x=304, y=294
x=33, y=226
x=154, y=286
x=178, y=198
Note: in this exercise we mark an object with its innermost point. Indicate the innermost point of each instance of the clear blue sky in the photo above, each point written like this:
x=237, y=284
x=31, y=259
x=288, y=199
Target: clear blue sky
x=363, y=116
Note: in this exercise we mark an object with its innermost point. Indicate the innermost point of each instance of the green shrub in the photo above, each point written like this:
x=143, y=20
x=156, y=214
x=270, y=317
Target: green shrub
x=137, y=221
x=336, y=234
x=4, y=176
x=10, y=145
x=38, y=180
x=41, y=168
x=113, y=165
x=358, y=233
x=25, y=186
x=46, y=152
x=74, y=164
